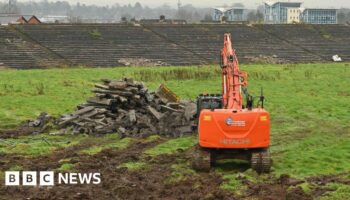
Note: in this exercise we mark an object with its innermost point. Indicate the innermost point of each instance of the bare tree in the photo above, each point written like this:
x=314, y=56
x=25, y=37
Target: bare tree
x=208, y=17
x=251, y=17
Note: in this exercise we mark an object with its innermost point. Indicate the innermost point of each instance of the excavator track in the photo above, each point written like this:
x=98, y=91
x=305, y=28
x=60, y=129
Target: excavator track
x=261, y=161
x=201, y=159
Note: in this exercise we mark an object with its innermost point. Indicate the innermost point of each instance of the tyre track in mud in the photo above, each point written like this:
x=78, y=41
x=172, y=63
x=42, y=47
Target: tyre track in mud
x=44, y=162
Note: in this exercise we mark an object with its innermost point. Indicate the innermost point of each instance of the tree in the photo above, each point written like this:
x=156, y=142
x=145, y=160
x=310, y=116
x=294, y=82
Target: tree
x=341, y=18
x=251, y=17
x=255, y=16
x=261, y=8
x=126, y=17
x=138, y=6
x=196, y=17
x=208, y=17
x=184, y=14
x=259, y=16
x=11, y=7
x=137, y=11
x=75, y=19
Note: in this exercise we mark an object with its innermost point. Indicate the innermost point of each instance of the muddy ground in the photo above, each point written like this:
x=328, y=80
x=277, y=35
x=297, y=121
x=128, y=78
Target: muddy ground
x=151, y=182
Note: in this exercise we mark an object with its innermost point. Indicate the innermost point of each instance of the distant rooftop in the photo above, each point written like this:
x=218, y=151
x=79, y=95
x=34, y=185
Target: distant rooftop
x=222, y=9
x=271, y=3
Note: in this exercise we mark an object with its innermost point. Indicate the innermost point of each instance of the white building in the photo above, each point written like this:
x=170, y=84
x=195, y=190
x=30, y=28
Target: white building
x=293, y=15
x=231, y=14
x=287, y=12
x=54, y=19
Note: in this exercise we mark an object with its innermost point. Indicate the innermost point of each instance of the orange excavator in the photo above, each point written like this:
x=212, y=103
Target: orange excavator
x=230, y=125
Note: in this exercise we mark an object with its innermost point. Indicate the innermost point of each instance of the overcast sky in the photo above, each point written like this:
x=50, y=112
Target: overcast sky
x=208, y=3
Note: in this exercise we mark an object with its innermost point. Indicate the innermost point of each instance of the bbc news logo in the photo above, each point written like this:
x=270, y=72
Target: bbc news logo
x=47, y=178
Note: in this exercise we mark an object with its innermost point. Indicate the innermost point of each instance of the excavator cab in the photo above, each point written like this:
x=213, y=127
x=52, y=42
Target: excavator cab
x=229, y=128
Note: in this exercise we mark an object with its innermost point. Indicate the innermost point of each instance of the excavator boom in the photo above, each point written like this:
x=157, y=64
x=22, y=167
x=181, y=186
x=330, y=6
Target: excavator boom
x=233, y=79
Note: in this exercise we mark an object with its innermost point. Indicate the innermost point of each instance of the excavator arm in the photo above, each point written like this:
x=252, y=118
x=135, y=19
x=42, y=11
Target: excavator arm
x=233, y=79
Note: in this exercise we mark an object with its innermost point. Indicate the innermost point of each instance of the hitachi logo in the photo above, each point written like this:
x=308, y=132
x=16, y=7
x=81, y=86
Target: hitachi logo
x=235, y=141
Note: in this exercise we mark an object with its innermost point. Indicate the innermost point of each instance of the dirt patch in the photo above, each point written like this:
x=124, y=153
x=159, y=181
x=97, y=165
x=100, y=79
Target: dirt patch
x=324, y=180
x=39, y=125
x=47, y=162
x=151, y=181
x=319, y=191
x=281, y=188
x=118, y=182
x=16, y=132
x=286, y=187
x=286, y=180
x=297, y=194
x=112, y=158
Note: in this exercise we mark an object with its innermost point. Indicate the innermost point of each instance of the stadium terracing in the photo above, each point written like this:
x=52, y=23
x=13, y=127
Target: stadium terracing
x=106, y=45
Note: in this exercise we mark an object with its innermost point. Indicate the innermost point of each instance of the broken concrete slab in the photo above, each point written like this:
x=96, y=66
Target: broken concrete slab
x=132, y=116
x=167, y=108
x=154, y=112
x=100, y=101
x=100, y=86
x=190, y=110
x=118, y=85
x=84, y=110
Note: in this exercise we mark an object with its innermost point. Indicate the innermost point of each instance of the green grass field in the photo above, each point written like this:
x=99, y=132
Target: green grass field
x=309, y=106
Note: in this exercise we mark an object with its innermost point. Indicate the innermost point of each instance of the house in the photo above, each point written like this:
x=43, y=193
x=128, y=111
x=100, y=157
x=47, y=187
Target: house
x=22, y=20
x=34, y=20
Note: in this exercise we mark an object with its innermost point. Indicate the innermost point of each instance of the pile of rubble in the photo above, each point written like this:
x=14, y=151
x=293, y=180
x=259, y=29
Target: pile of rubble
x=274, y=59
x=141, y=62
x=127, y=107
